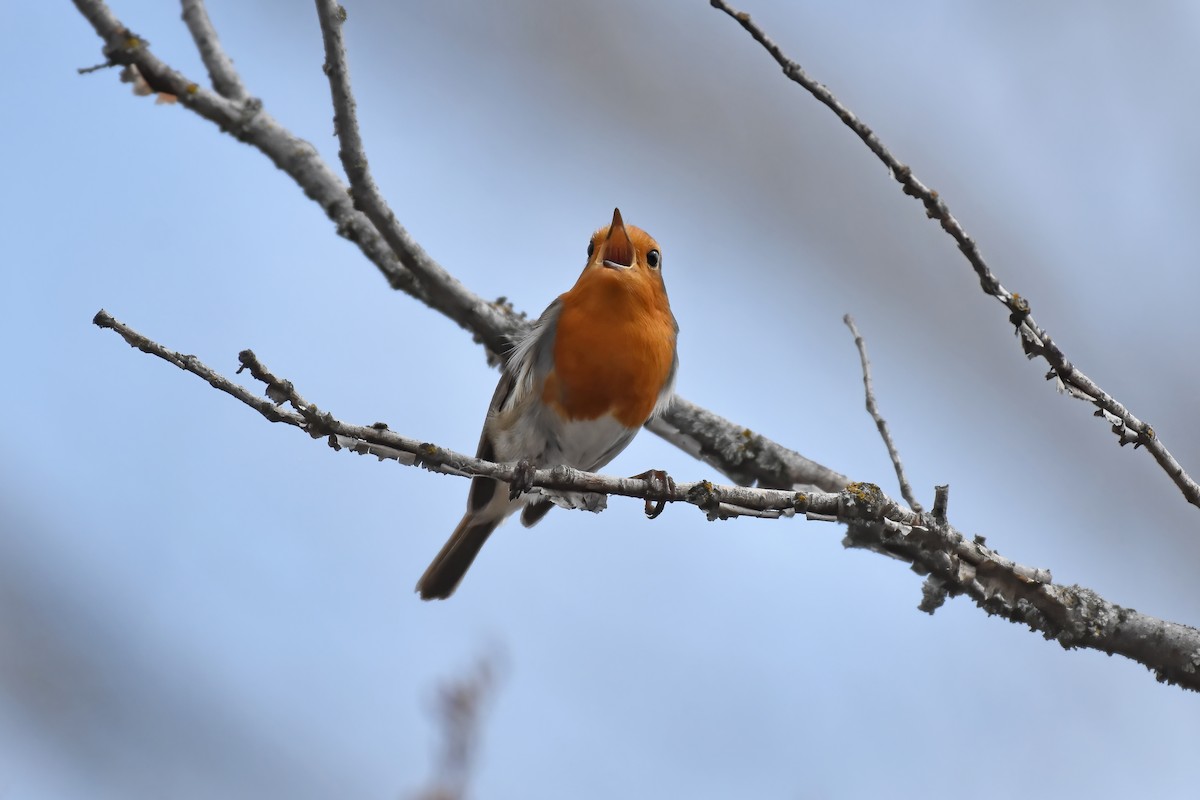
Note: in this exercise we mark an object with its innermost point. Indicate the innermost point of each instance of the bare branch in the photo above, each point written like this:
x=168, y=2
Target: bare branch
x=941, y=503
x=192, y=364
x=717, y=501
x=221, y=72
x=742, y=455
x=955, y=565
x=905, y=489
x=1034, y=340
x=247, y=122
x=445, y=292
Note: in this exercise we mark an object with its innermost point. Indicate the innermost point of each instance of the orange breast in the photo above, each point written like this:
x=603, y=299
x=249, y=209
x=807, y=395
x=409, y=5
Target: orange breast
x=613, y=350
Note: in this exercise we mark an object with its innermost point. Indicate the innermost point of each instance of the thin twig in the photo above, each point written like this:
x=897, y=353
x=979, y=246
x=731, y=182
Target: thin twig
x=869, y=388
x=954, y=564
x=1034, y=340
x=221, y=71
x=446, y=293
x=193, y=365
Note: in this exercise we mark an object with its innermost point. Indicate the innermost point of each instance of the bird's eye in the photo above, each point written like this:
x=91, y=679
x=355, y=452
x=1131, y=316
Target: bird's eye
x=653, y=259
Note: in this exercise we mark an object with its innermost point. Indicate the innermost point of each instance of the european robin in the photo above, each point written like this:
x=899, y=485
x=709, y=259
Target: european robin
x=595, y=367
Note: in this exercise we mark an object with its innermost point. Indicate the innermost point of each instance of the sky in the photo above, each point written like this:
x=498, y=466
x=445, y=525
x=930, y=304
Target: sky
x=196, y=603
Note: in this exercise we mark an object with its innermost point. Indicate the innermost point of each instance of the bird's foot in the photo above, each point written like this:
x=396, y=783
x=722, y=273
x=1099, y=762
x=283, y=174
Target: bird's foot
x=522, y=481
x=661, y=484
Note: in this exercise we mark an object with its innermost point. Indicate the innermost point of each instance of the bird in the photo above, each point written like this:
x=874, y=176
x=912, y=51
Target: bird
x=594, y=368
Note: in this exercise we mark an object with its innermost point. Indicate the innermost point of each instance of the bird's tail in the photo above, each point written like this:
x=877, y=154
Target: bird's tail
x=451, y=564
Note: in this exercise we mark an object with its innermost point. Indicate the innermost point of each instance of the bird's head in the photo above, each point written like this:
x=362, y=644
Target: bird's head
x=625, y=253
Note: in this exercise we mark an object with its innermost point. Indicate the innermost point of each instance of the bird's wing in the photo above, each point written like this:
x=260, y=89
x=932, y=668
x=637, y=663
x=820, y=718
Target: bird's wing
x=530, y=361
x=667, y=393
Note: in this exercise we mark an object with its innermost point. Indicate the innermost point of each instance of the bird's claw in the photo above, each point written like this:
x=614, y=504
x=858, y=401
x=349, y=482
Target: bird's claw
x=522, y=481
x=661, y=484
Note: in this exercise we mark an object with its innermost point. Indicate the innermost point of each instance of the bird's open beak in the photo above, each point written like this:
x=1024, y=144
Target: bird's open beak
x=618, y=247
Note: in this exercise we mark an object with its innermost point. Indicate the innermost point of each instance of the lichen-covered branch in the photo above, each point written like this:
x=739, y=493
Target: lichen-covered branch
x=1035, y=341
x=953, y=564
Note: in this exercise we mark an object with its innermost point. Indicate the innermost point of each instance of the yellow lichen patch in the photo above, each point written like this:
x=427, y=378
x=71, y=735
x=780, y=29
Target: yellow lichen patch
x=865, y=492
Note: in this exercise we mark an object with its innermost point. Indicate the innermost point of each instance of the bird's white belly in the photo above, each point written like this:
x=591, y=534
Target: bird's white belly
x=586, y=444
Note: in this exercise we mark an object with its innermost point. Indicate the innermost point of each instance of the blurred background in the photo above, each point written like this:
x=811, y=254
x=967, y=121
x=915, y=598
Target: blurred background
x=195, y=603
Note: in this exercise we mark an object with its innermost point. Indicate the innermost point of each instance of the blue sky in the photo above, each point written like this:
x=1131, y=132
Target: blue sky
x=196, y=603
